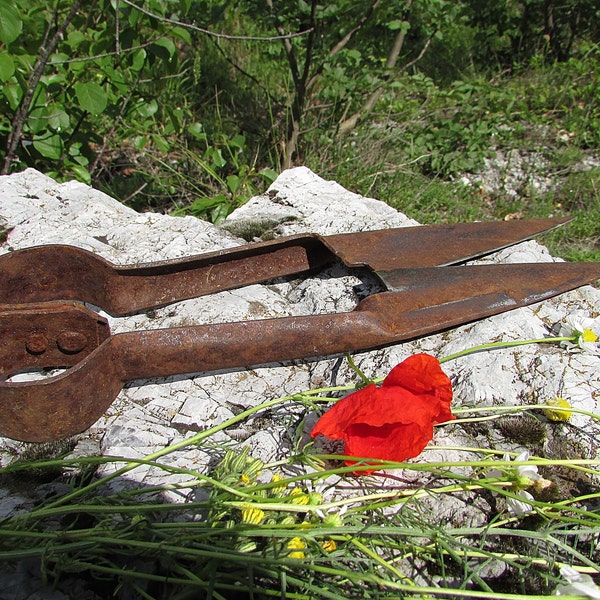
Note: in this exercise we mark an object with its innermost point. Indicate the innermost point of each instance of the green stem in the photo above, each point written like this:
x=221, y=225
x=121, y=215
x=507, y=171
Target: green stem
x=365, y=380
x=508, y=344
x=191, y=441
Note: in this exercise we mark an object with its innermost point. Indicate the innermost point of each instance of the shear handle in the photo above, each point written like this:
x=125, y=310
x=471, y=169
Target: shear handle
x=67, y=404
x=45, y=335
x=60, y=272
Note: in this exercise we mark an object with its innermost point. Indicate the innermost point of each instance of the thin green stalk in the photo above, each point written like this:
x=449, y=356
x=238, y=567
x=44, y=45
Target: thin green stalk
x=192, y=441
x=376, y=558
x=364, y=379
x=508, y=344
x=516, y=409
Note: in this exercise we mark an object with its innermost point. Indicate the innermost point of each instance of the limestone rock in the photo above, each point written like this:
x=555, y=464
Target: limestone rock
x=150, y=414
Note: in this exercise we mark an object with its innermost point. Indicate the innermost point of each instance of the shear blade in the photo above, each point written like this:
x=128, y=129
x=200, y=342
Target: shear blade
x=437, y=298
x=434, y=245
x=54, y=272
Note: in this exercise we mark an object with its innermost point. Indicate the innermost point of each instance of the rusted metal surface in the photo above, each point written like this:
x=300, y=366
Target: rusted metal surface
x=57, y=272
x=421, y=299
x=48, y=334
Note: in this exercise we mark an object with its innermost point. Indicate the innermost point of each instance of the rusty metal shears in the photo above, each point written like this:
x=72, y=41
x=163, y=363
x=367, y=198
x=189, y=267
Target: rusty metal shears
x=46, y=320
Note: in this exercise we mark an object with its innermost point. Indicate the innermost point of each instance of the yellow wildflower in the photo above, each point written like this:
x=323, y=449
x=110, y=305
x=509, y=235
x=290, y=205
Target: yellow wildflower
x=329, y=545
x=299, y=497
x=252, y=516
x=561, y=412
x=245, y=479
x=278, y=490
x=297, y=546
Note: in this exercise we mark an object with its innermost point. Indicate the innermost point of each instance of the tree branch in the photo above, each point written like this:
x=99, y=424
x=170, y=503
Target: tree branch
x=213, y=33
x=348, y=124
x=299, y=79
x=343, y=42
x=14, y=138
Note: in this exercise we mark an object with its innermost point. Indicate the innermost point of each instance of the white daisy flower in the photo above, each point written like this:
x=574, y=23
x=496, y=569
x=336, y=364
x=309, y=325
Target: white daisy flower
x=578, y=584
x=520, y=507
x=527, y=475
x=585, y=330
x=521, y=477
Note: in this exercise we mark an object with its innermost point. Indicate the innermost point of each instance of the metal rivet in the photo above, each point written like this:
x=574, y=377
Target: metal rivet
x=36, y=343
x=71, y=341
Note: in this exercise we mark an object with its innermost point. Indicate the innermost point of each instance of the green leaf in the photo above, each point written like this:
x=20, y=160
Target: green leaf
x=140, y=142
x=161, y=143
x=54, y=82
x=59, y=58
x=7, y=66
x=13, y=94
x=75, y=39
x=163, y=47
x=91, y=97
x=303, y=7
x=201, y=205
x=175, y=118
x=221, y=212
x=74, y=151
x=197, y=131
x=138, y=60
x=82, y=174
x=49, y=147
x=58, y=119
x=269, y=175
x=135, y=16
x=233, y=183
x=182, y=34
x=10, y=23
x=398, y=24
x=147, y=109
x=237, y=141
x=216, y=157
x=37, y=120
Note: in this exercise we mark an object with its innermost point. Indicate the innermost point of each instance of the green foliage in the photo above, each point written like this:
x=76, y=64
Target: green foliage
x=90, y=86
x=11, y=24
x=237, y=187
x=167, y=117
x=509, y=32
x=578, y=195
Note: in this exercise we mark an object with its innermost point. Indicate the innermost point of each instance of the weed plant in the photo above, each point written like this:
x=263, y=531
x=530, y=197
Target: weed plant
x=309, y=527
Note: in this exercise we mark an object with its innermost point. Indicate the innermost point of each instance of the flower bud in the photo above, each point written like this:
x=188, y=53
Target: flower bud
x=561, y=413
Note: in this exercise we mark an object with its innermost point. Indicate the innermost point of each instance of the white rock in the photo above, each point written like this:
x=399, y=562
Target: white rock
x=151, y=414
x=301, y=201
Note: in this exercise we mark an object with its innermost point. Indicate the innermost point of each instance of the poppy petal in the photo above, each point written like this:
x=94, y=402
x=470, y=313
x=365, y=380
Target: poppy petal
x=420, y=373
x=394, y=421
x=395, y=441
x=334, y=422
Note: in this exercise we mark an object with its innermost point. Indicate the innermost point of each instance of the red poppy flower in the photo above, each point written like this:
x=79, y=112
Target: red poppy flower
x=395, y=421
